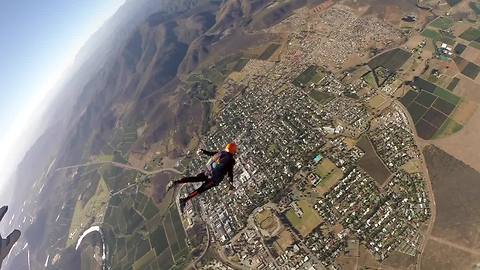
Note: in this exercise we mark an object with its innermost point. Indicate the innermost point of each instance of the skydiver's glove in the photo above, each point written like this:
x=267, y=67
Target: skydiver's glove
x=7, y=244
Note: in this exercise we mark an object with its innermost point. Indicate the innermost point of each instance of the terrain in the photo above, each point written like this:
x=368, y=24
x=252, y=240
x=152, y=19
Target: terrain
x=357, y=131
x=455, y=228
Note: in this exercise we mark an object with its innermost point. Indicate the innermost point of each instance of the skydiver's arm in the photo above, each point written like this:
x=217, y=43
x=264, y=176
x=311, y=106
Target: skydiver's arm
x=208, y=153
x=230, y=171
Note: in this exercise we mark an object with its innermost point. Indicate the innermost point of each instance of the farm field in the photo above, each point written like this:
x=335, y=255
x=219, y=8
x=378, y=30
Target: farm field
x=453, y=83
x=321, y=97
x=437, y=36
x=89, y=211
x=432, y=109
x=442, y=23
x=269, y=51
x=471, y=70
x=371, y=163
x=391, y=60
x=162, y=243
x=305, y=77
x=470, y=34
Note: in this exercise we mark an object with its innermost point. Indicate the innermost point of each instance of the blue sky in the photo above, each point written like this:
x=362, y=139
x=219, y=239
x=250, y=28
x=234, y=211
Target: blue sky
x=38, y=41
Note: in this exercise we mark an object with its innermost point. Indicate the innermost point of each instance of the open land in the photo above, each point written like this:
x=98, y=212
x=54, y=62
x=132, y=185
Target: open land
x=454, y=184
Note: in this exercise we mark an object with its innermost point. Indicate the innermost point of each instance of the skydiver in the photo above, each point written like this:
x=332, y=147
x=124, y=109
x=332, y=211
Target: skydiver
x=220, y=164
x=7, y=243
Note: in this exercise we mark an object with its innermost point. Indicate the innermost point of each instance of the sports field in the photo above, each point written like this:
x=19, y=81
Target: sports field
x=267, y=220
x=307, y=222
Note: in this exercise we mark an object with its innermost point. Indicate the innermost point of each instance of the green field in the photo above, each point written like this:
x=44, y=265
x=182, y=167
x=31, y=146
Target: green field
x=442, y=23
x=449, y=127
x=269, y=51
x=471, y=70
x=144, y=261
x=446, y=95
x=429, y=33
x=453, y=2
x=140, y=202
x=150, y=210
x=104, y=158
x=475, y=44
x=475, y=7
x=439, y=36
x=470, y=34
x=134, y=220
x=391, y=60
x=318, y=77
x=416, y=111
x=97, y=205
x=425, y=98
x=430, y=109
x=370, y=79
x=177, y=224
x=165, y=260
x=453, y=83
x=305, y=77
x=408, y=98
x=321, y=97
x=159, y=240
x=142, y=248
x=241, y=63
x=142, y=236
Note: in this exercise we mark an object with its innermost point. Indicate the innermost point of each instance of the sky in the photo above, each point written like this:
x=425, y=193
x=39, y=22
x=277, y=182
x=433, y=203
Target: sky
x=38, y=42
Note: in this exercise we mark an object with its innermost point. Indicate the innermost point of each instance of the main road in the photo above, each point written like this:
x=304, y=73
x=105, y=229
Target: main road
x=120, y=165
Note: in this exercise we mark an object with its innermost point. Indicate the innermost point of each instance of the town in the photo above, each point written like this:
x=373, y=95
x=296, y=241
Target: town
x=325, y=171
x=299, y=152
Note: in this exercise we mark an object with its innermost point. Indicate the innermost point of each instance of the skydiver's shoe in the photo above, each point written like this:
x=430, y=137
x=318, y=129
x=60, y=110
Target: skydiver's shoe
x=7, y=244
x=183, y=202
x=3, y=211
x=170, y=185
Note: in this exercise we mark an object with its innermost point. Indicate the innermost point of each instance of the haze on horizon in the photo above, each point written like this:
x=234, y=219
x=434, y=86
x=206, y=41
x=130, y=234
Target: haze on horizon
x=38, y=42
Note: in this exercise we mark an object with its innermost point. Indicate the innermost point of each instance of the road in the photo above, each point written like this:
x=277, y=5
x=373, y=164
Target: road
x=228, y=262
x=454, y=245
x=259, y=235
x=123, y=166
x=120, y=165
x=428, y=183
x=194, y=263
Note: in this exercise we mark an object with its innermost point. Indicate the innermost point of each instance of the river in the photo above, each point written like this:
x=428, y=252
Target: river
x=104, y=249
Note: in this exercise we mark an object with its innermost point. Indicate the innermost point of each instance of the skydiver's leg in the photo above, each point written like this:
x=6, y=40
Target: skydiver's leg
x=204, y=187
x=201, y=177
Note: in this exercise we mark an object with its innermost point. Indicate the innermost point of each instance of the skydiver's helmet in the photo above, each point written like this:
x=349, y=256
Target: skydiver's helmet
x=231, y=148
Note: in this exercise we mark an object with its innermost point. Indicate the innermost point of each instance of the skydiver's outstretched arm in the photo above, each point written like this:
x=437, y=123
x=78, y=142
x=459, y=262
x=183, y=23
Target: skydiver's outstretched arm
x=208, y=153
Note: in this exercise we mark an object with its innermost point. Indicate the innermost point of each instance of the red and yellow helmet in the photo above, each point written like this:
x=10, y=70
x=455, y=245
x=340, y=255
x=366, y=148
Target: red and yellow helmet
x=231, y=148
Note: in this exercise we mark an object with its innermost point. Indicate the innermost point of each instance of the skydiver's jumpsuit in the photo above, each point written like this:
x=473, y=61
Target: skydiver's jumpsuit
x=218, y=166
